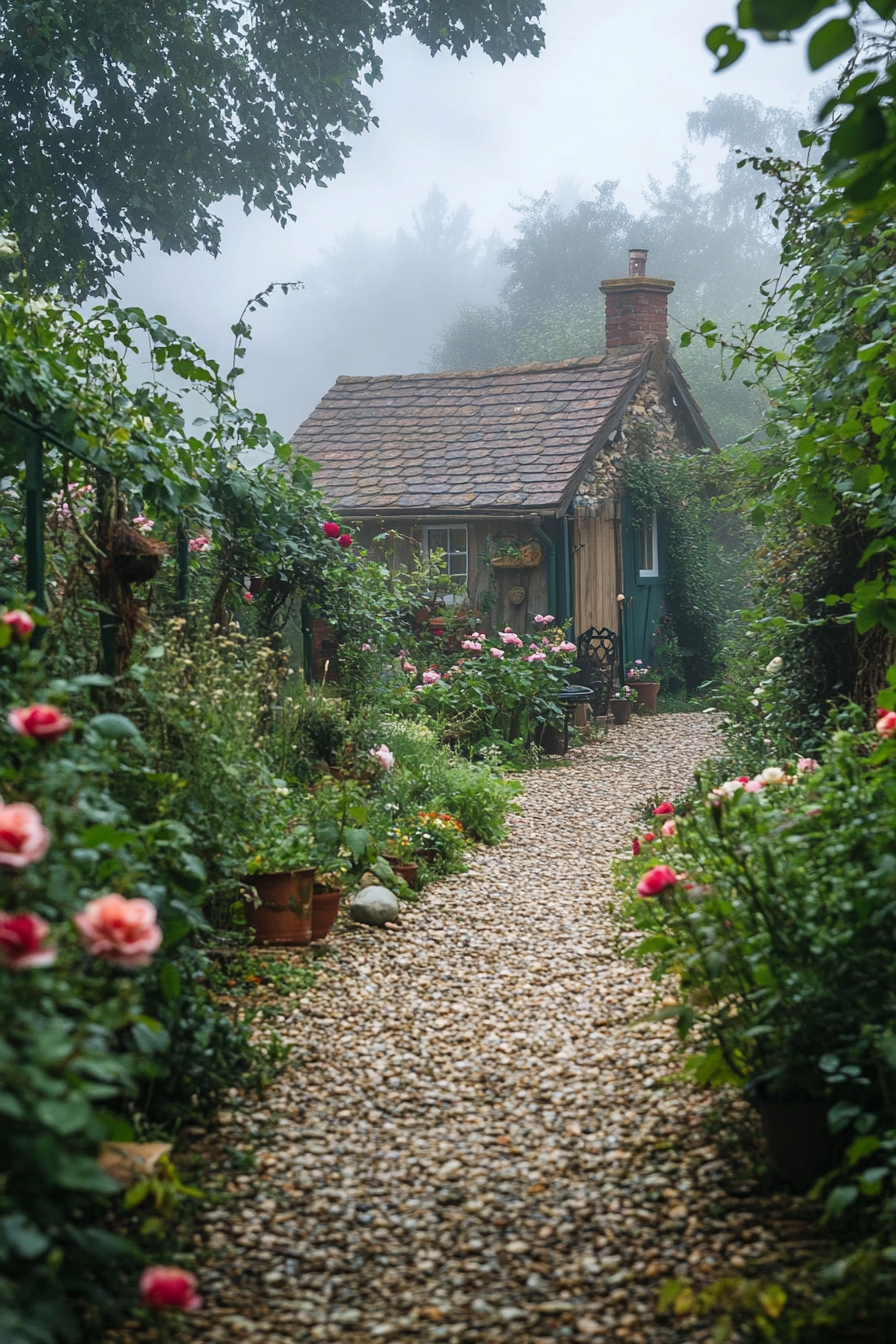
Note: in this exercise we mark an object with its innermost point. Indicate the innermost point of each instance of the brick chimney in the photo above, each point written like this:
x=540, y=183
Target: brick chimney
x=636, y=306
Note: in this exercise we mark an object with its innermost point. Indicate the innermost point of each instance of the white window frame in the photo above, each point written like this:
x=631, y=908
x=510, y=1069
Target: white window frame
x=450, y=599
x=649, y=529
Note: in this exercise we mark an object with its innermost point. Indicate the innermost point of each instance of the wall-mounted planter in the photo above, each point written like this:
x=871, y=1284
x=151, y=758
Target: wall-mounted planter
x=525, y=557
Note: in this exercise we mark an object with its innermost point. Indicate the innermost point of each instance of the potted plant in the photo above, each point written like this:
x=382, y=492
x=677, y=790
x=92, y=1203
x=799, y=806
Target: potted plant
x=621, y=705
x=399, y=847
x=515, y=554
x=435, y=838
x=281, y=876
x=328, y=889
x=646, y=682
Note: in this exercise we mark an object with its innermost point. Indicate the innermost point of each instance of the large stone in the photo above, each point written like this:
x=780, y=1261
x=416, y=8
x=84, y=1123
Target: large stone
x=374, y=905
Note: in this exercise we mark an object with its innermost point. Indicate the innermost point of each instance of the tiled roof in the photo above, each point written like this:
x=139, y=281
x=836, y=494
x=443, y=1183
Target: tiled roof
x=467, y=440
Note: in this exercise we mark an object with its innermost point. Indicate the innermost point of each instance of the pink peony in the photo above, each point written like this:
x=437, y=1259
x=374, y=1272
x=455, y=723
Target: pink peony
x=125, y=932
x=430, y=677
x=384, y=756
x=200, y=544
x=669, y=827
x=21, y=937
x=566, y=647
x=332, y=530
x=886, y=723
x=472, y=645
x=163, y=1287
x=23, y=837
x=496, y=653
x=664, y=810
x=806, y=766
x=344, y=541
x=43, y=721
x=19, y=622
x=656, y=880
x=536, y=657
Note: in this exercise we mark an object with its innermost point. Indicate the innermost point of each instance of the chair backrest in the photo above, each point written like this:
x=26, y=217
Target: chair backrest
x=596, y=661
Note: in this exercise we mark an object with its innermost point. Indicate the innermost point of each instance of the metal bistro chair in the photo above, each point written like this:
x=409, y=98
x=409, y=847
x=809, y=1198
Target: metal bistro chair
x=596, y=659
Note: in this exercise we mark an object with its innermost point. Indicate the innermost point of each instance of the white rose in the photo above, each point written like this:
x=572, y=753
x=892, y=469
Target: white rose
x=775, y=665
x=773, y=774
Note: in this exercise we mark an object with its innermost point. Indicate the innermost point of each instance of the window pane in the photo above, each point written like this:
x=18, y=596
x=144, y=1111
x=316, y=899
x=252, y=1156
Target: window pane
x=437, y=539
x=459, y=539
x=457, y=564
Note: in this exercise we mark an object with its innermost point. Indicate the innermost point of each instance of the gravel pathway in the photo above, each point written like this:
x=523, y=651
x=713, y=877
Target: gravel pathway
x=473, y=1139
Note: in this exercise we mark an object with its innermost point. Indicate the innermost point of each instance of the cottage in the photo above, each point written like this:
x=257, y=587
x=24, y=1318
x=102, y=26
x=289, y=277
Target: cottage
x=516, y=474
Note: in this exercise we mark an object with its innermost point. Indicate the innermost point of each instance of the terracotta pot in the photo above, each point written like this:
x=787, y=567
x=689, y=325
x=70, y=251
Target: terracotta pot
x=621, y=711
x=284, y=917
x=550, y=739
x=407, y=871
x=324, y=909
x=798, y=1142
x=647, y=692
x=256, y=583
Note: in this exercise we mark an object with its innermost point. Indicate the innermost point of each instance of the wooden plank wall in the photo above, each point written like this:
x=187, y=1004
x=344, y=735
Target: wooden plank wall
x=596, y=572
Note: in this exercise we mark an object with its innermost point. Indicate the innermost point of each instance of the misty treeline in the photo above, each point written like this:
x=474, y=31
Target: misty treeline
x=438, y=297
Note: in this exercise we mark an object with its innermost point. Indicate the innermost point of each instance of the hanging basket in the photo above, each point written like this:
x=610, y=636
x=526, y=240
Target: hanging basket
x=525, y=555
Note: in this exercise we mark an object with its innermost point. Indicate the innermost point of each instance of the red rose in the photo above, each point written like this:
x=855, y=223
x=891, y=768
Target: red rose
x=886, y=723
x=656, y=880
x=664, y=810
x=165, y=1286
x=648, y=836
x=332, y=530
x=43, y=721
x=344, y=541
x=19, y=622
x=22, y=945
x=636, y=846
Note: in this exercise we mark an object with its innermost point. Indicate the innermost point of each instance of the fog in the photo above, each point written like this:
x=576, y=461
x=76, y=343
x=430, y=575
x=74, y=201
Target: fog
x=407, y=240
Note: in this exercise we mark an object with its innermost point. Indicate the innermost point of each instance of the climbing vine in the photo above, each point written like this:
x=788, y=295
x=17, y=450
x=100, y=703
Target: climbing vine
x=690, y=631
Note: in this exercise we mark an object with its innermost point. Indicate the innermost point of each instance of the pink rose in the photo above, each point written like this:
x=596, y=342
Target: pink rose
x=496, y=653
x=344, y=541
x=536, y=657
x=543, y=620
x=472, y=644
x=163, y=1287
x=19, y=622
x=754, y=785
x=365, y=648
x=384, y=756
x=656, y=880
x=42, y=721
x=125, y=932
x=430, y=677
x=806, y=766
x=669, y=827
x=886, y=723
x=566, y=647
x=23, y=837
x=508, y=637
x=332, y=530
x=200, y=544
x=142, y=523
x=664, y=810
x=21, y=939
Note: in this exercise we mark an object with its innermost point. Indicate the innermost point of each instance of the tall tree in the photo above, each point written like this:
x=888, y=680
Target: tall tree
x=125, y=119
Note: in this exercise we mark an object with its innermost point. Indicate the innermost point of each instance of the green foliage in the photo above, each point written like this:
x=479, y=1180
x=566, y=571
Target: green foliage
x=121, y=124
x=781, y=933
x=678, y=490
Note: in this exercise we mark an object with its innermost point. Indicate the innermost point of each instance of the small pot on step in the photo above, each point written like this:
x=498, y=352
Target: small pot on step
x=621, y=711
x=283, y=919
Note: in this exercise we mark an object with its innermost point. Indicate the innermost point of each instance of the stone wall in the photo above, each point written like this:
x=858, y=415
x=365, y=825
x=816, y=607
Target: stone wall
x=652, y=423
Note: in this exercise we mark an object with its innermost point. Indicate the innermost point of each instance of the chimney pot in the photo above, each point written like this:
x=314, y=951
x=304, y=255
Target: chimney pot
x=636, y=305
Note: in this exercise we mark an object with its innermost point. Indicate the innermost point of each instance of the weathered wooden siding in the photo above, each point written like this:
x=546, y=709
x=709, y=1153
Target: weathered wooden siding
x=596, y=572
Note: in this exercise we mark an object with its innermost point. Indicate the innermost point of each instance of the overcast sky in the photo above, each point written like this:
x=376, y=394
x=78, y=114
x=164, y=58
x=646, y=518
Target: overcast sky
x=607, y=98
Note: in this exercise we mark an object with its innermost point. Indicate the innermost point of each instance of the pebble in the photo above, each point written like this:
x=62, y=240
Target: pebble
x=476, y=1137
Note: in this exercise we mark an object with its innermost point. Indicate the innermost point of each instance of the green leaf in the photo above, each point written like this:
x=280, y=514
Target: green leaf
x=840, y=1198
x=829, y=42
x=114, y=726
x=21, y=1236
x=862, y=1147
x=169, y=980
x=797, y=601
x=66, y=1116
x=82, y=1173
x=725, y=45
x=357, y=839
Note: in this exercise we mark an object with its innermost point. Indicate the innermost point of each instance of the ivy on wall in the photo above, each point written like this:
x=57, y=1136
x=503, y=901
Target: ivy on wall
x=680, y=491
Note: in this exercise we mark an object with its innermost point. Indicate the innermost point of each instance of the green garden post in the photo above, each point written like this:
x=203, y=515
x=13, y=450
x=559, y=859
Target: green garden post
x=307, y=641
x=34, y=522
x=183, y=568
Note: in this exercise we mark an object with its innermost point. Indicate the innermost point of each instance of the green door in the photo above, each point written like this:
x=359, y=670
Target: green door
x=643, y=575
